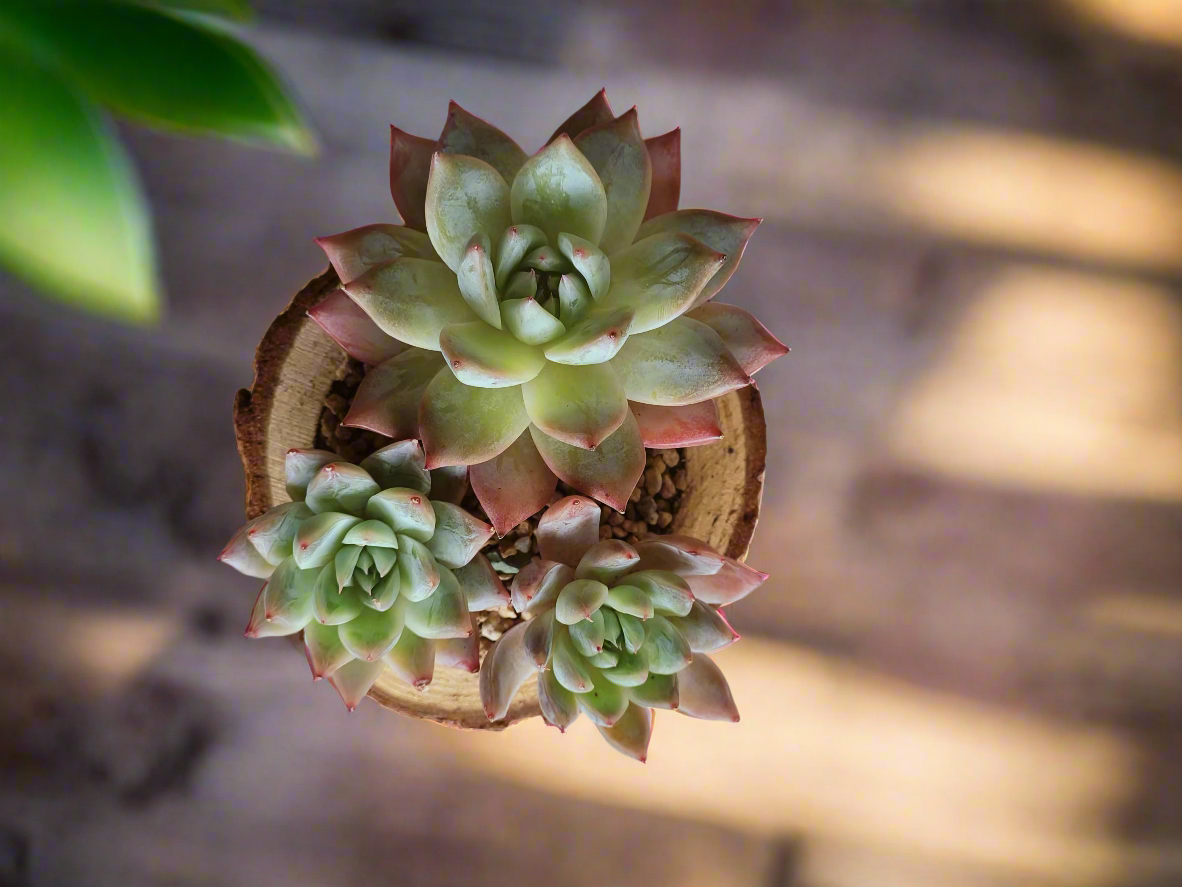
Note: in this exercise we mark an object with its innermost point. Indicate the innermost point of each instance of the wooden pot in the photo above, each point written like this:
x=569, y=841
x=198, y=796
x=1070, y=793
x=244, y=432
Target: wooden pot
x=294, y=368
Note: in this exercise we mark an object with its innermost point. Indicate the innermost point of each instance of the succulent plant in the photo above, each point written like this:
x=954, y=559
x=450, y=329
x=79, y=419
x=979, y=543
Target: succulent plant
x=617, y=630
x=546, y=317
x=376, y=574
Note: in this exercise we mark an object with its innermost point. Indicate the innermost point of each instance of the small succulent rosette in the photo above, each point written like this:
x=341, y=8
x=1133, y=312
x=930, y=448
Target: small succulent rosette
x=375, y=573
x=547, y=317
x=615, y=630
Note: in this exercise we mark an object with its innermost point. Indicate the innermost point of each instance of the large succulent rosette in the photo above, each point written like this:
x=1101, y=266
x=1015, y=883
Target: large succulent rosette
x=543, y=317
x=374, y=572
x=616, y=631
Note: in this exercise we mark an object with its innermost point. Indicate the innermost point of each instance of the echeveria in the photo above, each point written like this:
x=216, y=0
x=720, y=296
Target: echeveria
x=543, y=317
x=375, y=573
x=617, y=630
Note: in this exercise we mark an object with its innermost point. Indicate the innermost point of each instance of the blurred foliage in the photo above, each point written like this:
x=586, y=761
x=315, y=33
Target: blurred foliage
x=73, y=220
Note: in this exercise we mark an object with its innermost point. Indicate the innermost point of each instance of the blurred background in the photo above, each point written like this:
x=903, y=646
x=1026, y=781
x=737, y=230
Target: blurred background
x=967, y=667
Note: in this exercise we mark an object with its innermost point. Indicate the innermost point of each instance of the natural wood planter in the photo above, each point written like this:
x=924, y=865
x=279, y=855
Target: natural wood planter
x=296, y=364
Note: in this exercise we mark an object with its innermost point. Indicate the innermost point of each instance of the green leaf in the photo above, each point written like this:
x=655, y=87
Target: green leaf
x=411, y=300
x=484, y=357
x=72, y=219
x=617, y=152
x=558, y=190
x=160, y=69
x=680, y=363
x=465, y=196
x=235, y=9
x=607, y=473
x=578, y=405
x=462, y=425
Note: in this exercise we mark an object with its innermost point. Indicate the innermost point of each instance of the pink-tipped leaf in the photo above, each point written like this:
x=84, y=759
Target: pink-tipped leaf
x=351, y=328
x=514, y=484
x=458, y=535
x=353, y=680
x=704, y=693
x=595, y=112
x=483, y=588
x=389, y=397
x=607, y=473
x=683, y=362
x=733, y=582
x=505, y=669
x=412, y=660
x=748, y=339
x=354, y=252
x=568, y=529
x=690, y=425
x=724, y=234
x=631, y=733
x=410, y=166
x=664, y=154
x=466, y=133
x=461, y=425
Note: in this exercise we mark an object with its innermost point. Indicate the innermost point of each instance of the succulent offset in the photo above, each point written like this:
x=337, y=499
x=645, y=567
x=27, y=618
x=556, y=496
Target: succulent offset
x=375, y=573
x=546, y=317
x=617, y=630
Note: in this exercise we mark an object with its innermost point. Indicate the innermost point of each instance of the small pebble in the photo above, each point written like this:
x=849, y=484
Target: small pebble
x=672, y=459
x=615, y=518
x=641, y=529
x=522, y=544
x=652, y=481
x=631, y=539
x=668, y=491
x=630, y=512
x=619, y=532
x=664, y=518
x=605, y=531
x=681, y=479
x=635, y=495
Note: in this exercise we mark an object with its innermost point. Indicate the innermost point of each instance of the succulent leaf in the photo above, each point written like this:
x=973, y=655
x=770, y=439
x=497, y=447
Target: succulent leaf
x=631, y=732
x=630, y=670
x=667, y=650
x=319, y=537
x=459, y=652
x=529, y=322
x=607, y=561
x=340, y=487
x=465, y=196
x=574, y=301
x=330, y=605
x=559, y=705
x=350, y=327
x=384, y=593
x=466, y=133
x=617, y=151
x=383, y=559
x=404, y=510
x=240, y=554
x=704, y=693
x=594, y=340
x=683, y=362
x=538, y=639
x=733, y=582
x=444, y=613
x=587, y=634
x=546, y=258
x=578, y=405
x=400, y=464
x=354, y=252
x=664, y=154
x=628, y=600
x=344, y=563
x=607, y=473
x=258, y=626
x=669, y=593
x=596, y=111
x=682, y=555
x=746, y=338
x=659, y=691
x=458, y=535
x=514, y=484
x=418, y=574
x=689, y=425
x=570, y=668
x=371, y=633
x=660, y=278
x=704, y=628
x=578, y=600
x=477, y=283
x=412, y=659
x=388, y=399
x=605, y=658
x=410, y=166
x=483, y=357
x=449, y=484
x=611, y=626
x=287, y=598
x=324, y=650
x=724, y=234
x=631, y=627
x=604, y=704
x=568, y=529
x=535, y=588
x=462, y=425
x=300, y=466
x=273, y=533
x=516, y=243
x=353, y=680
x=558, y=190
x=411, y=300
x=505, y=669
x=483, y=588
x=590, y=261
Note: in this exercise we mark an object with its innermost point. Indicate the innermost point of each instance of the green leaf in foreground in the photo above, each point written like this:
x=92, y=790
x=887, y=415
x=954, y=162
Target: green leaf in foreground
x=164, y=70
x=236, y=9
x=72, y=219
